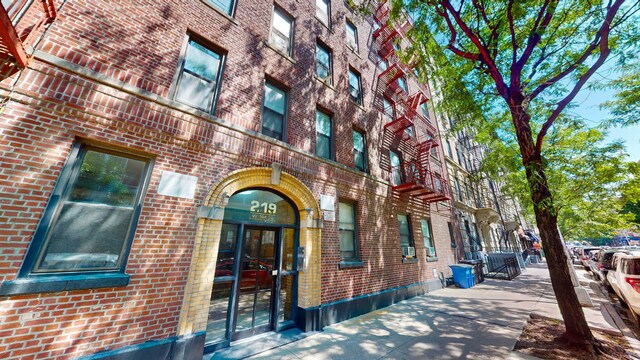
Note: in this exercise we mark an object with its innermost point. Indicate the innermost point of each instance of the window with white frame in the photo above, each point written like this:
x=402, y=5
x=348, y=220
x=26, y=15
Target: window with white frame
x=281, y=31
x=323, y=11
x=352, y=36
x=360, y=150
x=406, y=239
x=199, y=77
x=355, y=90
x=324, y=63
x=347, y=227
x=425, y=226
x=396, y=168
x=402, y=84
x=388, y=110
x=274, y=111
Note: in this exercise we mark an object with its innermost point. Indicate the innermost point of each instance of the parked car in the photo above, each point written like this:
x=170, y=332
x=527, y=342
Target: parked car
x=601, y=263
x=624, y=278
x=584, y=255
x=253, y=273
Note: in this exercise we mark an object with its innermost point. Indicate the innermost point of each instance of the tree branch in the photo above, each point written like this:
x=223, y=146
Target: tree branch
x=483, y=52
x=603, y=36
x=514, y=44
x=452, y=40
x=543, y=19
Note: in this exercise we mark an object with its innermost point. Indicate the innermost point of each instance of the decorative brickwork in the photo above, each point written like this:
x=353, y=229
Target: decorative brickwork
x=194, y=314
x=103, y=72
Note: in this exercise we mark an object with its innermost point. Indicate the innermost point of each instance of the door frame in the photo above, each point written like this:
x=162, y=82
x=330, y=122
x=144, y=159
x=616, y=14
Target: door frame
x=275, y=285
x=233, y=303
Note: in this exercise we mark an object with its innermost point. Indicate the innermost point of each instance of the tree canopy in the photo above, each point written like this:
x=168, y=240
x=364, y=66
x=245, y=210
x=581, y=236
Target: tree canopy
x=523, y=63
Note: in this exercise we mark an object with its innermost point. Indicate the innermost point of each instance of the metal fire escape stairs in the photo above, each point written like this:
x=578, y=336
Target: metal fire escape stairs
x=20, y=23
x=421, y=175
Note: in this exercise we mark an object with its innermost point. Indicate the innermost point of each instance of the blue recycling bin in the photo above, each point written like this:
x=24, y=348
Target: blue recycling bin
x=463, y=275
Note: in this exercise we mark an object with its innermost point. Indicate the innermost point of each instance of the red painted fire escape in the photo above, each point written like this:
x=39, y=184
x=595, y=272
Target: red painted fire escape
x=418, y=174
x=20, y=23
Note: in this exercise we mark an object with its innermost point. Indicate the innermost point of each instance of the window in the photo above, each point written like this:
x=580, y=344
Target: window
x=402, y=84
x=425, y=225
x=382, y=64
x=449, y=152
x=360, y=150
x=347, y=226
x=410, y=131
x=225, y=5
x=281, y=31
x=458, y=189
x=324, y=64
x=352, y=36
x=274, y=111
x=324, y=135
x=406, y=240
x=93, y=221
x=323, y=11
x=388, y=110
x=199, y=77
x=424, y=110
x=396, y=169
x=354, y=87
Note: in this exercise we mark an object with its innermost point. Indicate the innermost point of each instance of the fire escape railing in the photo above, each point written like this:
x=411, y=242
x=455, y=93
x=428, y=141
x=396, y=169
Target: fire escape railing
x=15, y=36
x=418, y=175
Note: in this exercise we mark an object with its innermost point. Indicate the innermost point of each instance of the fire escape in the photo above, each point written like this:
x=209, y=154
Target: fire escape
x=416, y=173
x=20, y=23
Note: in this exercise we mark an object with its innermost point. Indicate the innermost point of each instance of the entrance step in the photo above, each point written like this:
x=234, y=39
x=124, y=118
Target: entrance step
x=258, y=344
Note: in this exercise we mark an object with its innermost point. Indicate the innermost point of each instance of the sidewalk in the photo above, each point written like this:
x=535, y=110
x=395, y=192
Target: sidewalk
x=483, y=322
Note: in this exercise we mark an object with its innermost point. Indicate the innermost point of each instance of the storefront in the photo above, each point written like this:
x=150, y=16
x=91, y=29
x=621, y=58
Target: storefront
x=255, y=285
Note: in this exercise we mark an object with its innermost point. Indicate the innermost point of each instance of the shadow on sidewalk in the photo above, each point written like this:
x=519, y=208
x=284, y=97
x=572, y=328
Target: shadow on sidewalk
x=483, y=322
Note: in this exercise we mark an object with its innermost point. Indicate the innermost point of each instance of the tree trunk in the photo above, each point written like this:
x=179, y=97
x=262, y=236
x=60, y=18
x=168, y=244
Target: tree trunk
x=576, y=328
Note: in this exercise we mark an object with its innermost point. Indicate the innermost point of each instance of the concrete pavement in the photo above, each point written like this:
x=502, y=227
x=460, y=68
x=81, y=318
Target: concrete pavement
x=483, y=322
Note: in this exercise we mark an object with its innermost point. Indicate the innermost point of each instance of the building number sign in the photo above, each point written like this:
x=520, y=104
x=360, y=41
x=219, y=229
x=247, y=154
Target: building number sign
x=264, y=208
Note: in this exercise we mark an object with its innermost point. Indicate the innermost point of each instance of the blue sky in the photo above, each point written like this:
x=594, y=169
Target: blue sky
x=588, y=107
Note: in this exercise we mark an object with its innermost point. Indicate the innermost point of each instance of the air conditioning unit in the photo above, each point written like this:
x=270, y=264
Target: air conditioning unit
x=409, y=251
x=431, y=251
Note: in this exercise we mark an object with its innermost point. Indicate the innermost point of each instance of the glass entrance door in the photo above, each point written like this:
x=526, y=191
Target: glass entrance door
x=257, y=283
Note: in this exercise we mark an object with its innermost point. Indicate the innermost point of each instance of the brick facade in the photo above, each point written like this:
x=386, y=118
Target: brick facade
x=103, y=72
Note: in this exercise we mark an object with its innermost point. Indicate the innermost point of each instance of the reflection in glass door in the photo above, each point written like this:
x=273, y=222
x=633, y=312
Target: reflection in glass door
x=258, y=268
x=287, y=278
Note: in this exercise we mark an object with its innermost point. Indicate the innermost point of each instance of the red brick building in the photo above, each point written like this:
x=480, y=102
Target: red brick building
x=180, y=174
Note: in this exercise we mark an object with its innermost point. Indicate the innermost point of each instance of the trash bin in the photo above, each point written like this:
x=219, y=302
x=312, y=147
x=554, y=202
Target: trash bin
x=478, y=266
x=463, y=275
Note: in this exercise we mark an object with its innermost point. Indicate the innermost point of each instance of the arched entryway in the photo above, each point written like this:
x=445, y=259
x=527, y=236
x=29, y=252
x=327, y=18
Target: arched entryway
x=246, y=275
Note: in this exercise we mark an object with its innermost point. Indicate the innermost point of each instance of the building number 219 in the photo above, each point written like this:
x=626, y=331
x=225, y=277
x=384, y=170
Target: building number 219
x=267, y=208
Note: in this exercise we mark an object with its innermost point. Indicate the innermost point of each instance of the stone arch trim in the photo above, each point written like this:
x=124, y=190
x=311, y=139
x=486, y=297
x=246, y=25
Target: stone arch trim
x=194, y=312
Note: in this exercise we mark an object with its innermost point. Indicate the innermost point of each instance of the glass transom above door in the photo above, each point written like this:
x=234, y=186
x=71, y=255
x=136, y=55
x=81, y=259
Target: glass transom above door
x=259, y=206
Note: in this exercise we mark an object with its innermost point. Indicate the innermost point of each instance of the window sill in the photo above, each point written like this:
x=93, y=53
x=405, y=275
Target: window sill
x=354, y=51
x=347, y=264
x=325, y=25
x=280, y=52
x=229, y=17
x=432, y=258
x=56, y=283
x=325, y=83
x=409, y=260
x=356, y=104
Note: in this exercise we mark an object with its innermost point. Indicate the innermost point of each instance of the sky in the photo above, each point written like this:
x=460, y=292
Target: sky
x=588, y=107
